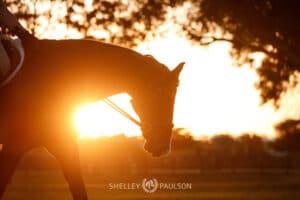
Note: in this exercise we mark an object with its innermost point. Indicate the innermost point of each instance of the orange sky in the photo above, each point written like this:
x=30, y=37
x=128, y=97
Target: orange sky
x=213, y=96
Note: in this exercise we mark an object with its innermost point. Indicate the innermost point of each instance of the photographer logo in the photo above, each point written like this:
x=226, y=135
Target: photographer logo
x=150, y=185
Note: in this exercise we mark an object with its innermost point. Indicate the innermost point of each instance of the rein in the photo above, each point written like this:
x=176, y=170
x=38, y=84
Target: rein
x=18, y=45
x=121, y=111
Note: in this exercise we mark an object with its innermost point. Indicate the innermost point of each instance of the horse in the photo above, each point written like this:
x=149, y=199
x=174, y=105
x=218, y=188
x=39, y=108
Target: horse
x=57, y=76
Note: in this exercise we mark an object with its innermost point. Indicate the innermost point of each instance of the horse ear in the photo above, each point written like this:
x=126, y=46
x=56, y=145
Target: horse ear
x=178, y=69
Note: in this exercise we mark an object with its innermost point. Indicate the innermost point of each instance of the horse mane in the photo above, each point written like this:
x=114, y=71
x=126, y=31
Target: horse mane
x=151, y=59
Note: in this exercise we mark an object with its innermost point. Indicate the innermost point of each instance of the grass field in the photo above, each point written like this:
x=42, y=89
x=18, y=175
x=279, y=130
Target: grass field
x=50, y=185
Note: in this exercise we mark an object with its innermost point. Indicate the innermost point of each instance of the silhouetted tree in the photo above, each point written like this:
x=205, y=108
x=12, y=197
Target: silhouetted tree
x=224, y=149
x=288, y=140
x=252, y=144
x=268, y=26
x=251, y=150
x=182, y=139
x=122, y=22
x=288, y=136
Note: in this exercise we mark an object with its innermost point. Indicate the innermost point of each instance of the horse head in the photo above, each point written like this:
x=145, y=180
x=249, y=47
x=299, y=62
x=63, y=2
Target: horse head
x=155, y=107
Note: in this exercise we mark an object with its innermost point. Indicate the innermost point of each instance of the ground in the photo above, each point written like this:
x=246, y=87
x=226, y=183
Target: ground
x=237, y=185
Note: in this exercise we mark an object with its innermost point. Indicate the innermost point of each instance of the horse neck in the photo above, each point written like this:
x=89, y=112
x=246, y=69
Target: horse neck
x=131, y=74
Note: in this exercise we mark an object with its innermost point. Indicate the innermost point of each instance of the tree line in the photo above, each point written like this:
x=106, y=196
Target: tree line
x=121, y=154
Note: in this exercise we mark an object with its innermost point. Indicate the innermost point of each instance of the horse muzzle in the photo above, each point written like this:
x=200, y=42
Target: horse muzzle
x=157, y=150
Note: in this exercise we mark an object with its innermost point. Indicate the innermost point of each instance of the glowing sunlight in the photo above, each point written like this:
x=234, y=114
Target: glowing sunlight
x=98, y=119
x=213, y=97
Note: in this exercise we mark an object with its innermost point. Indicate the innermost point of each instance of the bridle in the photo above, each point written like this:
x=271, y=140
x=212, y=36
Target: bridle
x=18, y=45
x=117, y=108
x=121, y=111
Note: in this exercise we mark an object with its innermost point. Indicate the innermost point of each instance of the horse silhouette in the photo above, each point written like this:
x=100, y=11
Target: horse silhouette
x=36, y=107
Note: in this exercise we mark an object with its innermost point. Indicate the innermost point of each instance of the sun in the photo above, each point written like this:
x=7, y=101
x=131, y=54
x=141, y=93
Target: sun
x=86, y=121
x=98, y=119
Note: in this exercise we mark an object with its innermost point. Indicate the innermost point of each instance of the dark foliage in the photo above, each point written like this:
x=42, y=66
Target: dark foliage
x=268, y=26
x=126, y=22
x=288, y=136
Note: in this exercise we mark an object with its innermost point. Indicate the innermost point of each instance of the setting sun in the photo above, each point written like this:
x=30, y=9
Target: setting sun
x=98, y=119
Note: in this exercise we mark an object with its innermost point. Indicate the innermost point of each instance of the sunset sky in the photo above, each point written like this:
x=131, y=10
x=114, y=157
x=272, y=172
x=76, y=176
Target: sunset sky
x=213, y=96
